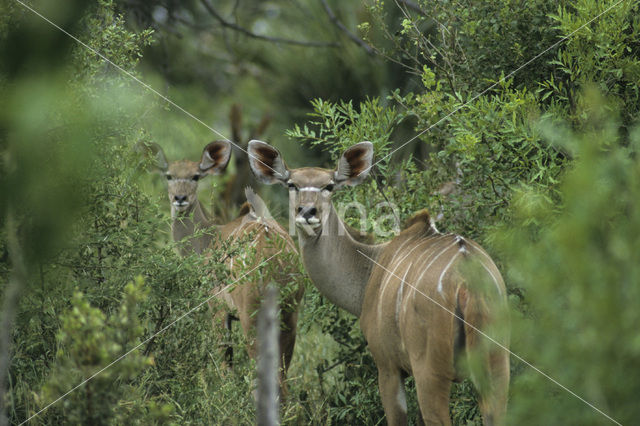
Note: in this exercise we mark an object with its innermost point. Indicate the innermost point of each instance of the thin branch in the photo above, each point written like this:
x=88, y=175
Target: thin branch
x=207, y=5
x=357, y=40
x=413, y=6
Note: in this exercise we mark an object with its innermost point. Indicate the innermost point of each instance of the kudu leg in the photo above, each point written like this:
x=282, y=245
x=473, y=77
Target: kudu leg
x=222, y=320
x=287, y=343
x=488, y=365
x=433, y=373
x=393, y=395
x=433, y=397
x=494, y=392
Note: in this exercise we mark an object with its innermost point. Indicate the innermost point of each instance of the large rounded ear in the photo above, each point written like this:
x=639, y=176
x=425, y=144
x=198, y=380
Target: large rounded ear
x=155, y=153
x=215, y=157
x=355, y=164
x=266, y=163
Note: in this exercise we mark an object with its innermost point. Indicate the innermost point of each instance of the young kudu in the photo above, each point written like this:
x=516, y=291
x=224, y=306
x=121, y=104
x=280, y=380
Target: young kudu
x=423, y=298
x=267, y=238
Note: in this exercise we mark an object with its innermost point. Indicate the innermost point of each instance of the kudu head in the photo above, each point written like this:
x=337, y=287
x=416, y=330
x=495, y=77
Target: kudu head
x=310, y=188
x=183, y=176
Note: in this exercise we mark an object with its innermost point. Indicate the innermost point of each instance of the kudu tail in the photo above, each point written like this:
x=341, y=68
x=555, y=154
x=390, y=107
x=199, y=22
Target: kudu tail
x=486, y=342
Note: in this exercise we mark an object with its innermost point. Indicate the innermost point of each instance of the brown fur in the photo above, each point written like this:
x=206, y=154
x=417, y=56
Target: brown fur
x=421, y=297
x=245, y=208
x=267, y=237
x=410, y=326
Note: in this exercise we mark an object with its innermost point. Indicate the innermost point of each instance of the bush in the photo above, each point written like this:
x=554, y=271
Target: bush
x=578, y=266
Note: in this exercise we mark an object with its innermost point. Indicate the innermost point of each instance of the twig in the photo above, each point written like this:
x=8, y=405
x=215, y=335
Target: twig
x=413, y=6
x=268, y=349
x=248, y=33
x=357, y=40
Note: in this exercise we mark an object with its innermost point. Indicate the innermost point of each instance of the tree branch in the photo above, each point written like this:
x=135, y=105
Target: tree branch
x=413, y=6
x=357, y=40
x=207, y=5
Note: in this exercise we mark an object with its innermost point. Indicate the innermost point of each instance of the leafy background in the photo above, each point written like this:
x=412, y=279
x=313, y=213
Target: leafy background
x=540, y=166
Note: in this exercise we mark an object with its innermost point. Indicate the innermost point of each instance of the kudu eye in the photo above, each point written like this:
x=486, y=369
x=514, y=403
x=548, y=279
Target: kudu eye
x=329, y=187
x=195, y=178
x=292, y=186
x=169, y=177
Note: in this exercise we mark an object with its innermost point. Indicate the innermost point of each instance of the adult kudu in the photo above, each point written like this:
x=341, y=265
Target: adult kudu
x=423, y=298
x=192, y=226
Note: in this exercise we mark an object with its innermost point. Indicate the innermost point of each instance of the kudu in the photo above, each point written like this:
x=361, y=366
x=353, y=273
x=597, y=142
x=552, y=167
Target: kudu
x=420, y=300
x=267, y=238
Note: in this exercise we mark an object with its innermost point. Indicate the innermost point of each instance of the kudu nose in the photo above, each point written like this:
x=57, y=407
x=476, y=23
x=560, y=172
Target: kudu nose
x=307, y=211
x=180, y=198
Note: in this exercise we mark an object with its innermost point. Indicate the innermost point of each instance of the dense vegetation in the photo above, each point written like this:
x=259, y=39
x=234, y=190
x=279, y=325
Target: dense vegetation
x=515, y=123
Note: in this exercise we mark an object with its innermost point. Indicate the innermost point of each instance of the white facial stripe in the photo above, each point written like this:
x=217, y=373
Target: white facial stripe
x=310, y=189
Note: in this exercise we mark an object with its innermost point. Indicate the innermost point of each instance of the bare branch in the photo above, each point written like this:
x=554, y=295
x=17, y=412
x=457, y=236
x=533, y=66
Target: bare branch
x=413, y=6
x=268, y=349
x=207, y=5
x=357, y=40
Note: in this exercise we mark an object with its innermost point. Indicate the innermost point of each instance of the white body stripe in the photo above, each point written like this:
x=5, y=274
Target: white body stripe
x=433, y=260
x=495, y=280
x=426, y=259
x=399, y=295
x=493, y=277
x=444, y=271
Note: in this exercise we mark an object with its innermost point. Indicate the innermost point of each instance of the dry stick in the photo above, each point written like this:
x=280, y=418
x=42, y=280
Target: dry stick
x=165, y=328
x=268, y=349
x=248, y=33
x=413, y=6
x=357, y=40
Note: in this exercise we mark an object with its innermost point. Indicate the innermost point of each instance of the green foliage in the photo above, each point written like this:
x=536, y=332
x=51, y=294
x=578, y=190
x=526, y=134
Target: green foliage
x=603, y=52
x=535, y=169
x=580, y=270
x=109, y=37
x=90, y=345
x=484, y=151
x=467, y=43
x=336, y=126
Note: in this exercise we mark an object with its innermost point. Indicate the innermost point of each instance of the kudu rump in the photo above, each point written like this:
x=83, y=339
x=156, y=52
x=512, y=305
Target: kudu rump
x=423, y=298
x=267, y=238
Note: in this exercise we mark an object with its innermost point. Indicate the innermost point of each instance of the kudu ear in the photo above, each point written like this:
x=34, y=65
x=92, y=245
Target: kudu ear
x=215, y=157
x=354, y=165
x=155, y=153
x=266, y=163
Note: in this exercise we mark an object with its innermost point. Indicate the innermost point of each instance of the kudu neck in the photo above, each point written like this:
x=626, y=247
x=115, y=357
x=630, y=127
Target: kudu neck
x=338, y=264
x=186, y=223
